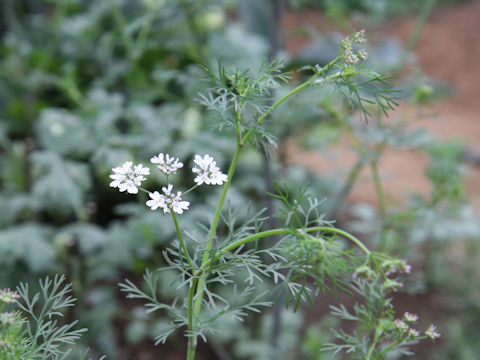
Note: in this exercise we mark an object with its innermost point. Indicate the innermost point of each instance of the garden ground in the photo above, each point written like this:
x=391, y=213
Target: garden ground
x=448, y=50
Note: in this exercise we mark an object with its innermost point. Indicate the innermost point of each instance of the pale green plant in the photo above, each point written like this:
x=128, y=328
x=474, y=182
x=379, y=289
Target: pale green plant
x=33, y=327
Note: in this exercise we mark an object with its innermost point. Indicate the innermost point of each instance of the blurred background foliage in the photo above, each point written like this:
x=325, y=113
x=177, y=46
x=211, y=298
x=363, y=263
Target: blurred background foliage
x=86, y=85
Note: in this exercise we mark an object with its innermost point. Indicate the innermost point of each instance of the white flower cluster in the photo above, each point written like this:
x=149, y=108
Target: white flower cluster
x=403, y=326
x=129, y=177
x=168, y=165
x=8, y=296
x=168, y=201
x=126, y=178
x=207, y=171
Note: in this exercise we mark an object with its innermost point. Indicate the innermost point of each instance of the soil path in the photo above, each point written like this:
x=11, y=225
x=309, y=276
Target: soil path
x=448, y=50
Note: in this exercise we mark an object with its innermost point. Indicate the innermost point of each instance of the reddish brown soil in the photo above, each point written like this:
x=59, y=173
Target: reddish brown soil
x=448, y=50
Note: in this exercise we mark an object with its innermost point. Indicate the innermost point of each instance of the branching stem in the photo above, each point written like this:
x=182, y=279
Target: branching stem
x=180, y=237
x=268, y=233
x=196, y=291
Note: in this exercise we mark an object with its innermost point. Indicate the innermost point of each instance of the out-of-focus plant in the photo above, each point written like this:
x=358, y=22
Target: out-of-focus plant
x=33, y=327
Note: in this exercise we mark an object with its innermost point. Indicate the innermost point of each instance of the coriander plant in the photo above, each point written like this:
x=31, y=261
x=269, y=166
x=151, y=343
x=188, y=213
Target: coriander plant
x=308, y=254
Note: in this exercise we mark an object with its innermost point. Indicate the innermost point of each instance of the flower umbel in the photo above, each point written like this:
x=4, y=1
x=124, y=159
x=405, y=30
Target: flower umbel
x=400, y=325
x=127, y=179
x=432, y=333
x=410, y=318
x=168, y=165
x=8, y=318
x=168, y=201
x=412, y=333
x=8, y=296
x=207, y=171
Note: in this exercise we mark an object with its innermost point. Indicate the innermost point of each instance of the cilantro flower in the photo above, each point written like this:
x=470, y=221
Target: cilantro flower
x=8, y=318
x=359, y=37
x=363, y=272
x=412, y=333
x=168, y=201
x=207, y=171
x=8, y=296
x=410, y=318
x=432, y=333
x=400, y=325
x=157, y=200
x=168, y=165
x=127, y=179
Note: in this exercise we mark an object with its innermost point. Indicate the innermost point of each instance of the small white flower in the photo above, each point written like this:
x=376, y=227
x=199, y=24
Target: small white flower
x=207, y=171
x=8, y=318
x=410, y=318
x=412, y=333
x=359, y=37
x=168, y=201
x=350, y=57
x=8, y=296
x=157, y=200
x=363, y=55
x=127, y=179
x=168, y=165
x=432, y=333
x=400, y=325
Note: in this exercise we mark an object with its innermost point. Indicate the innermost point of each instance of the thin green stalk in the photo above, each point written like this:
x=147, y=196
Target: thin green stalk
x=185, y=250
x=378, y=188
x=289, y=94
x=192, y=340
x=381, y=202
x=425, y=12
x=384, y=351
x=191, y=189
x=372, y=348
x=241, y=140
x=269, y=233
x=197, y=306
x=346, y=188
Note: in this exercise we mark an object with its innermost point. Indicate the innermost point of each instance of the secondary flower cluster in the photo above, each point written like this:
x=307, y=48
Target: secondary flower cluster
x=349, y=55
x=129, y=177
x=389, y=267
x=167, y=201
x=126, y=178
x=207, y=171
x=404, y=327
x=8, y=296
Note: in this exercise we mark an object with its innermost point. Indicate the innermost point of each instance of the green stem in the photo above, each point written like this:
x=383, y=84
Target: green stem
x=414, y=36
x=192, y=340
x=206, y=255
x=268, y=233
x=347, y=186
x=241, y=140
x=378, y=188
x=291, y=93
x=179, y=233
x=372, y=348
x=381, y=203
x=191, y=189
x=384, y=351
